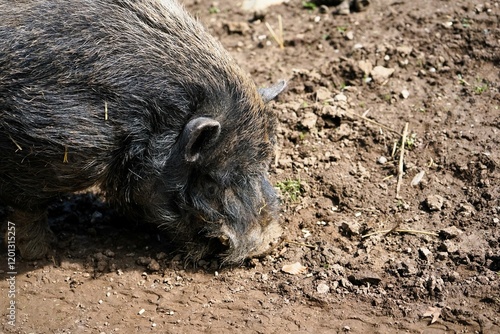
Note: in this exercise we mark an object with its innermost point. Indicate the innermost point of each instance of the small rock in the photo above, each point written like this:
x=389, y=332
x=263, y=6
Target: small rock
x=343, y=131
x=417, y=178
x=363, y=277
x=143, y=260
x=239, y=27
x=154, y=265
x=351, y=228
x=322, y=93
x=340, y=98
x=425, y=253
x=109, y=253
x=404, y=50
x=405, y=94
x=466, y=209
x=323, y=288
x=382, y=160
x=365, y=66
x=349, y=35
x=450, y=232
x=449, y=246
x=434, y=202
x=381, y=73
x=309, y=120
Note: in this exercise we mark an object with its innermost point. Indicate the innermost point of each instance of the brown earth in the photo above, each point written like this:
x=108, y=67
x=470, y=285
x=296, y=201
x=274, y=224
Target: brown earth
x=442, y=255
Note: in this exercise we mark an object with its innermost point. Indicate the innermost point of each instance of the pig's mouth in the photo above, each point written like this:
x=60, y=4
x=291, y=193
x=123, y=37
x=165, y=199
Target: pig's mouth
x=223, y=241
x=234, y=248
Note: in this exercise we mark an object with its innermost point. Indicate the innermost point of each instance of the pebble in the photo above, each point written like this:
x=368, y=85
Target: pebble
x=239, y=27
x=380, y=73
x=450, y=232
x=364, y=277
x=322, y=94
x=405, y=94
x=365, y=66
x=449, y=246
x=340, y=98
x=382, y=160
x=323, y=288
x=349, y=35
x=351, y=228
x=404, y=50
x=434, y=202
x=425, y=253
x=417, y=178
x=309, y=120
x=466, y=209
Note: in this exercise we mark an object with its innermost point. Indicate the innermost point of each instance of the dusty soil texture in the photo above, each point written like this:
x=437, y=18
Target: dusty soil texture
x=426, y=261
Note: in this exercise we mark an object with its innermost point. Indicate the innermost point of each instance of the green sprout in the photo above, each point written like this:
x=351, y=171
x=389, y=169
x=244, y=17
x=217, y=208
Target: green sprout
x=213, y=10
x=290, y=189
x=309, y=5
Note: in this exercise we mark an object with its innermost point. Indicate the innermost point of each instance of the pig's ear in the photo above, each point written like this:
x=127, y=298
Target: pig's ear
x=270, y=93
x=198, y=134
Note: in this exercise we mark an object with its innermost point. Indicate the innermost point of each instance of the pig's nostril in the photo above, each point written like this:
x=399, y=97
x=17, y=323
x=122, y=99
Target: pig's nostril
x=224, y=240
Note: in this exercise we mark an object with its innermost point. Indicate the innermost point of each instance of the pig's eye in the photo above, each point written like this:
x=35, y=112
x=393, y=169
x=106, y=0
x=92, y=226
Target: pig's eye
x=211, y=190
x=209, y=186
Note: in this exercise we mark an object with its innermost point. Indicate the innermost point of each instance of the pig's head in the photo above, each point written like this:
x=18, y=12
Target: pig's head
x=213, y=195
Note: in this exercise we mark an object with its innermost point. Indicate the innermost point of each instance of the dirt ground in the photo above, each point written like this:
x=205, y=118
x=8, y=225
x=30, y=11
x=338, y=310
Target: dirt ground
x=425, y=259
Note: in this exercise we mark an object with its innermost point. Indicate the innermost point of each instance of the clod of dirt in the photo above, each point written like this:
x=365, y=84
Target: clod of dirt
x=322, y=288
x=425, y=253
x=351, y=228
x=405, y=94
x=293, y=269
x=433, y=312
x=322, y=94
x=364, y=277
x=365, y=66
x=309, y=120
x=380, y=74
x=434, y=202
x=450, y=232
x=238, y=27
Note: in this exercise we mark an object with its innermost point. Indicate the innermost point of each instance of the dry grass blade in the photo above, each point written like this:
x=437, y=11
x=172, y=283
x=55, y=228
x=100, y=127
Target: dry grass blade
x=299, y=244
x=386, y=232
x=401, y=160
x=375, y=123
x=278, y=38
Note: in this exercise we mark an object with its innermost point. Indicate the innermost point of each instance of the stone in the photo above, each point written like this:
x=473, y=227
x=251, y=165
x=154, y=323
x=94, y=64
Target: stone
x=380, y=73
x=434, y=202
x=309, y=120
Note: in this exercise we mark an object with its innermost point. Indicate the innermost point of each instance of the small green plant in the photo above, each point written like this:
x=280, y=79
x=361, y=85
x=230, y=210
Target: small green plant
x=411, y=141
x=342, y=86
x=309, y=5
x=290, y=189
x=480, y=89
x=466, y=23
x=341, y=29
x=213, y=10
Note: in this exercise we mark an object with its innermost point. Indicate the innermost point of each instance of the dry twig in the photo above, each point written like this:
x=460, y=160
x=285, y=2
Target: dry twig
x=401, y=160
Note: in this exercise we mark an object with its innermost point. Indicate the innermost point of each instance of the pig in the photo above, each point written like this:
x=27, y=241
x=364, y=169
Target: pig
x=137, y=98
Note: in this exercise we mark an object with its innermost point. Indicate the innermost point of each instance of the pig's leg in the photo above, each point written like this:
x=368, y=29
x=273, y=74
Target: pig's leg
x=33, y=236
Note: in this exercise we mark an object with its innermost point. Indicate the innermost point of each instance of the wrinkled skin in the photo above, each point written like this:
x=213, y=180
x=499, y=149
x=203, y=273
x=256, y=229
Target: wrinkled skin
x=137, y=98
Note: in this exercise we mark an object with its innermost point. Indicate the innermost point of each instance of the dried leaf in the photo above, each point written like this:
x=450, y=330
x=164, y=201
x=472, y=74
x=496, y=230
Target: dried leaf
x=293, y=269
x=434, y=312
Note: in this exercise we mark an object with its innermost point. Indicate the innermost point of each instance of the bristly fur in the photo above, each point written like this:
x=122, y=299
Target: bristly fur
x=99, y=92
